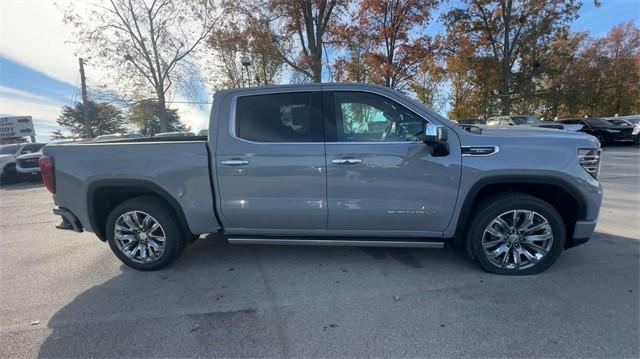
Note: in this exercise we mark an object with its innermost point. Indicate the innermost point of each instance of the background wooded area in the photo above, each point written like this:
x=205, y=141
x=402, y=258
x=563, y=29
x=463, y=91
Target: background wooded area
x=488, y=57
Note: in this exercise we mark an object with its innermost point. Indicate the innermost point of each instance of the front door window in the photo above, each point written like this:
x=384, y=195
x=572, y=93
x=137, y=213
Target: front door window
x=366, y=117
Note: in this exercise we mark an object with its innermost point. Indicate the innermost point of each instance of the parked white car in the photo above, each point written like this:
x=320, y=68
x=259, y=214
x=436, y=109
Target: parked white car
x=116, y=136
x=8, y=157
x=27, y=164
x=174, y=134
x=531, y=121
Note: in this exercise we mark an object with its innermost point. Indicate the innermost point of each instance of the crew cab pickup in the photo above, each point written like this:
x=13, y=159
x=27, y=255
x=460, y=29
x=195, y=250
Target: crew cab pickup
x=333, y=164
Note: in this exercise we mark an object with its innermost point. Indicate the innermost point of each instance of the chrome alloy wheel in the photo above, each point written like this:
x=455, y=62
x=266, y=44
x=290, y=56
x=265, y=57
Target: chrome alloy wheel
x=139, y=236
x=517, y=239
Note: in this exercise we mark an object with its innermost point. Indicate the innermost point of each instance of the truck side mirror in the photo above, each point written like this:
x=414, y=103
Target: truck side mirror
x=436, y=137
x=435, y=133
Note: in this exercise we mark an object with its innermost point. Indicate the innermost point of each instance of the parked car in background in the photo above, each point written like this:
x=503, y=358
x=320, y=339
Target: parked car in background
x=470, y=121
x=605, y=131
x=116, y=136
x=203, y=132
x=634, y=119
x=617, y=121
x=528, y=120
x=174, y=134
x=27, y=165
x=8, y=156
x=334, y=164
x=628, y=121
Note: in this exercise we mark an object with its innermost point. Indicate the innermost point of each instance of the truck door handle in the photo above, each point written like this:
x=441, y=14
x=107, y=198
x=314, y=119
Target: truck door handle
x=346, y=161
x=235, y=162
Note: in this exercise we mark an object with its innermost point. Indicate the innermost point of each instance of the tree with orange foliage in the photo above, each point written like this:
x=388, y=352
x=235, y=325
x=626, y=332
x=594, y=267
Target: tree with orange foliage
x=393, y=30
x=505, y=29
x=351, y=65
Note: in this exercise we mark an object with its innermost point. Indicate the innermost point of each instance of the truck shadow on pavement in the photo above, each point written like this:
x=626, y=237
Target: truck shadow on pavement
x=281, y=301
x=27, y=184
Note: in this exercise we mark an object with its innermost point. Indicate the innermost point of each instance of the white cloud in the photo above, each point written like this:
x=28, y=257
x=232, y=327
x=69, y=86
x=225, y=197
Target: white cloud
x=32, y=33
x=45, y=112
x=196, y=116
x=32, y=98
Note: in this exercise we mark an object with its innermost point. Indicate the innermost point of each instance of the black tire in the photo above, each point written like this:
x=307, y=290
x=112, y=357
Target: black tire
x=9, y=175
x=602, y=140
x=165, y=216
x=496, y=205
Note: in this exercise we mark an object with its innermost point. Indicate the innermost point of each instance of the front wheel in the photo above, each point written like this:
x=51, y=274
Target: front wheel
x=143, y=233
x=516, y=234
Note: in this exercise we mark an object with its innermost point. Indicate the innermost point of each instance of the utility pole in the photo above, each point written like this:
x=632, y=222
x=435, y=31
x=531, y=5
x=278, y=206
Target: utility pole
x=85, y=100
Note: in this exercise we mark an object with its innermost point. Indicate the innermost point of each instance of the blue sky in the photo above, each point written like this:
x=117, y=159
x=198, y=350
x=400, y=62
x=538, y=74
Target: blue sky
x=39, y=71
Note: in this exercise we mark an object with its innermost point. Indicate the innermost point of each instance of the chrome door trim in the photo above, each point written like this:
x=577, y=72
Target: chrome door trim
x=336, y=242
x=234, y=100
x=376, y=143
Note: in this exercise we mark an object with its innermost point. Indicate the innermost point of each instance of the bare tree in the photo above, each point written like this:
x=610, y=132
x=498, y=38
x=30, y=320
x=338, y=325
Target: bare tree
x=244, y=33
x=304, y=27
x=146, y=44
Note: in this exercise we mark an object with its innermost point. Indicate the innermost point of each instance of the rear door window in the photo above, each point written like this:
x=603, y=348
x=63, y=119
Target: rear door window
x=285, y=117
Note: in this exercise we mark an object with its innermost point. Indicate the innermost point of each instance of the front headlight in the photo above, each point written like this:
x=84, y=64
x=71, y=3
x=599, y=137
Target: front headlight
x=612, y=131
x=589, y=159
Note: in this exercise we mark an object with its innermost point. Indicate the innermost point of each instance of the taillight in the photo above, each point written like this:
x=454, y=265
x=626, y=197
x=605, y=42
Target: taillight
x=589, y=159
x=47, y=171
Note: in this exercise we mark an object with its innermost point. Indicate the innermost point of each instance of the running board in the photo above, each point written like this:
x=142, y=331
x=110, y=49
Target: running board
x=338, y=242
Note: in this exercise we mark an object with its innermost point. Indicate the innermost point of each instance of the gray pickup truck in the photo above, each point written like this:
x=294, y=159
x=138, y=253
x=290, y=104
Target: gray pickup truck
x=333, y=164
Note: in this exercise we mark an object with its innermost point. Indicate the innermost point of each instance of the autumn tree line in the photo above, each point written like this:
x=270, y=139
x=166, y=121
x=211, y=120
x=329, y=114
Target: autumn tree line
x=485, y=57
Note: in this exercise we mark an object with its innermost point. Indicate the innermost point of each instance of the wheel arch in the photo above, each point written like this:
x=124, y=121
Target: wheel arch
x=559, y=193
x=104, y=195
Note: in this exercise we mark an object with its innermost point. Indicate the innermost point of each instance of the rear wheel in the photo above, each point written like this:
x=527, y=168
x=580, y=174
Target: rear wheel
x=144, y=234
x=516, y=234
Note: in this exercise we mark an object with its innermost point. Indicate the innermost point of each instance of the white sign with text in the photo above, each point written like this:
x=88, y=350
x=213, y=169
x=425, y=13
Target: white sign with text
x=16, y=126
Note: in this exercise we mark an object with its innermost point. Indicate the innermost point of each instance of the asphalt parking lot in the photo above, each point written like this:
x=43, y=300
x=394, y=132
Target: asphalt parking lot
x=65, y=295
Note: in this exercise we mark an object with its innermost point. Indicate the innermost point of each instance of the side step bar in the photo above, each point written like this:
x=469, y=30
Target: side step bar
x=338, y=242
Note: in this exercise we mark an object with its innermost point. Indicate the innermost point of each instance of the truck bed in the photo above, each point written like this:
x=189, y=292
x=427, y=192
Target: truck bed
x=177, y=166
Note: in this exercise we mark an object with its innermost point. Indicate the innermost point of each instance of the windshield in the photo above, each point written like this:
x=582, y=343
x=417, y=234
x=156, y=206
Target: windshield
x=9, y=149
x=597, y=122
x=525, y=120
x=32, y=148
